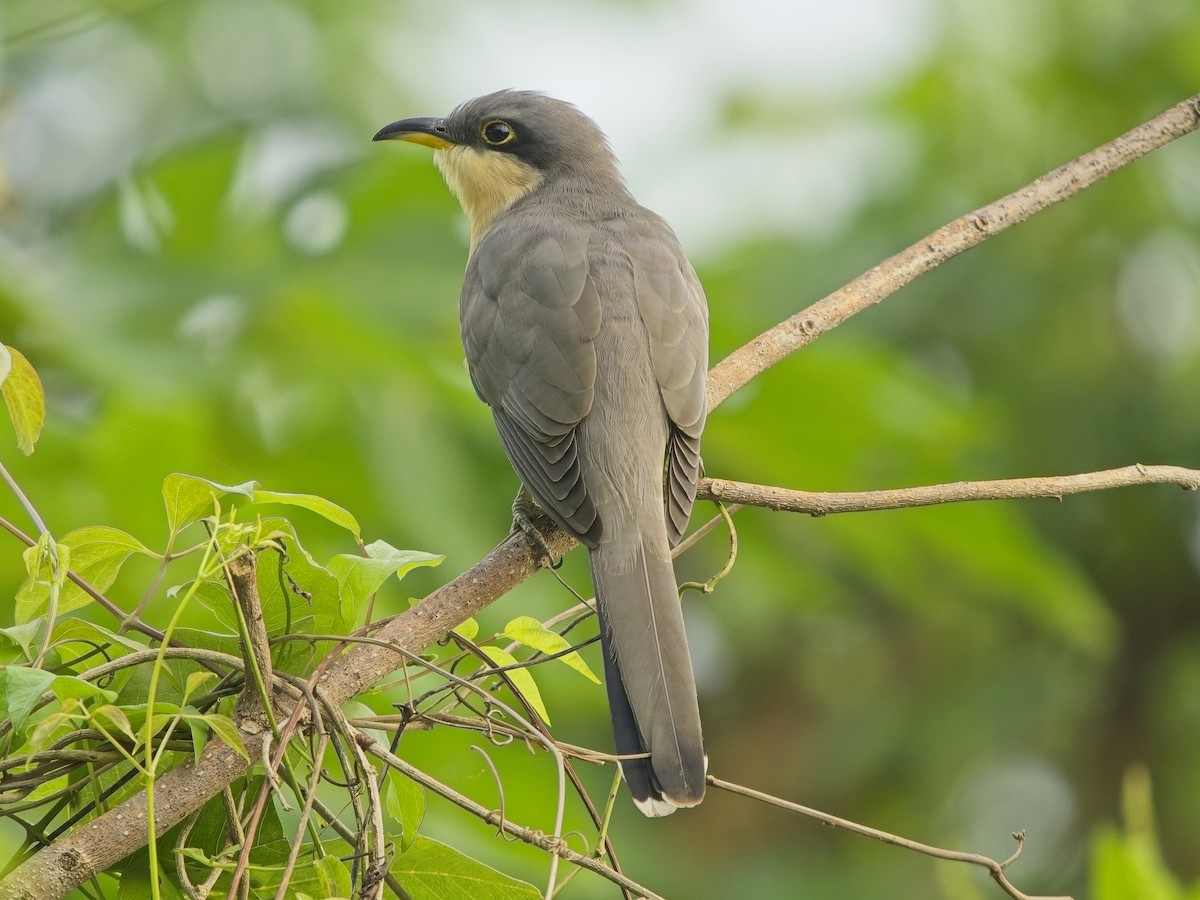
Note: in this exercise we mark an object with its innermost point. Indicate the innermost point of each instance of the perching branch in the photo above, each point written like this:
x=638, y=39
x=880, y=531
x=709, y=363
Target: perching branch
x=57, y=869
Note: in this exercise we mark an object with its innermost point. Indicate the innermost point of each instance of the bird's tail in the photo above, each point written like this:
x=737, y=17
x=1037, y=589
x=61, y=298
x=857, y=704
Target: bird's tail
x=648, y=671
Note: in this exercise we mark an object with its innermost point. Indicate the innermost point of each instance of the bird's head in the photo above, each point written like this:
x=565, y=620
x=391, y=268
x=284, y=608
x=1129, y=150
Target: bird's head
x=495, y=149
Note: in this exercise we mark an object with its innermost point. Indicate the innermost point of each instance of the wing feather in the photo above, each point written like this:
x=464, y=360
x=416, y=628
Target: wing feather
x=529, y=314
x=673, y=308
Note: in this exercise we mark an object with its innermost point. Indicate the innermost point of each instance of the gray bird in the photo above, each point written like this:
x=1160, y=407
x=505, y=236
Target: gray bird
x=586, y=332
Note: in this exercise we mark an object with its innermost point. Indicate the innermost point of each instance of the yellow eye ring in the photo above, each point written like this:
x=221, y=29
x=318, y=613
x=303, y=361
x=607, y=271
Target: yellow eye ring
x=496, y=132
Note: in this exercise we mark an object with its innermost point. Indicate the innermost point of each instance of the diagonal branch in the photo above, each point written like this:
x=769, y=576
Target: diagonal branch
x=738, y=368
x=55, y=870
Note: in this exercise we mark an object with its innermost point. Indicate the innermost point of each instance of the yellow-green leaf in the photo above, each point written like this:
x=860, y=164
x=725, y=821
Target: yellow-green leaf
x=53, y=726
x=113, y=718
x=532, y=633
x=195, y=681
x=467, y=629
x=322, y=507
x=188, y=497
x=97, y=554
x=66, y=686
x=521, y=679
x=47, y=563
x=224, y=728
x=23, y=395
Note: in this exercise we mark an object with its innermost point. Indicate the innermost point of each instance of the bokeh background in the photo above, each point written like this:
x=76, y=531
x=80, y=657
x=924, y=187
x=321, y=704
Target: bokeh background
x=216, y=272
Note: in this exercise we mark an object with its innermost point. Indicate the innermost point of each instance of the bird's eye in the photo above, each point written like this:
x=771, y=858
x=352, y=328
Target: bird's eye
x=496, y=132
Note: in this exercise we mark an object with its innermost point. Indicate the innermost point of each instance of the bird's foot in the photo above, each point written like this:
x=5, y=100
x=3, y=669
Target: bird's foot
x=524, y=510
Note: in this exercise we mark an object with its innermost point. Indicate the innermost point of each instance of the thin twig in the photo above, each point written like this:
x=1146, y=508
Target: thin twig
x=532, y=733
x=372, y=829
x=549, y=843
x=995, y=869
x=52, y=549
x=310, y=795
x=26, y=503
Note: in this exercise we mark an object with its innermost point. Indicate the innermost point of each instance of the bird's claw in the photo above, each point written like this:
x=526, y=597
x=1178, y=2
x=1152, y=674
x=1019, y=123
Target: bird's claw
x=524, y=510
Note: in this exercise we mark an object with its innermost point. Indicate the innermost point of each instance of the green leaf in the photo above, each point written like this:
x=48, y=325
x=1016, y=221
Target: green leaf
x=1129, y=862
x=405, y=802
x=532, y=633
x=430, y=870
x=163, y=713
x=322, y=507
x=298, y=595
x=199, y=737
x=307, y=881
x=23, y=687
x=303, y=586
x=356, y=709
x=361, y=576
x=197, y=680
x=113, y=718
x=1124, y=867
x=333, y=875
x=358, y=578
x=225, y=729
x=271, y=850
x=74, y=630
x=213, y=595
x=402, y=561
x=97, y=554
x=47, y=565
x=68, y=686
x=23, y=635
x=521, y=679
x=24, y=397
x=210, y=640
x=189, y=498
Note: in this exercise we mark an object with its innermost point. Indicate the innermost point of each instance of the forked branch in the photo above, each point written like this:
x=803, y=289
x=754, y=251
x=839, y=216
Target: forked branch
x=1055, y=487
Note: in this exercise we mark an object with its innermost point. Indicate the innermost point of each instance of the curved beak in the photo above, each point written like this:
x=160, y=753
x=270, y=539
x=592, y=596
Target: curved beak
x=430, y=132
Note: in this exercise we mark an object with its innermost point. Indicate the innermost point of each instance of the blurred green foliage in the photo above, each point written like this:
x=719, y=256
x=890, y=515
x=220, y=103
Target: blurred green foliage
x=214, y=272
